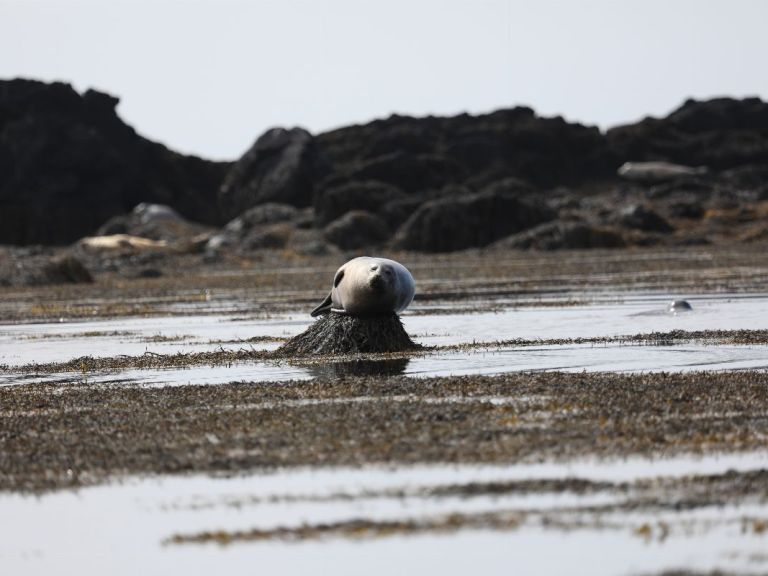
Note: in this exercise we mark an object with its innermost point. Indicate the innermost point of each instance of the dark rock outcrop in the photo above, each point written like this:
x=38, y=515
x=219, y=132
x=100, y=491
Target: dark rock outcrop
x=261, y=226
x=35, y=266
x=690, y=209
x=270, y=226
x=412, y=173
x=277, y=168
x=560, y=235
x=68, y=163
x=720, y=133
x=357, y=229
x=418, y=153
x=153, y=221
x=470, y=221
x=641, y=217
x=370, y=195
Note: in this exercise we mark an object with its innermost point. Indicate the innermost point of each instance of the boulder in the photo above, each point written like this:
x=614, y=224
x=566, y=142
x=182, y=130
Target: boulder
x=68, y=163
x=720, y=133
x=475, y=220
x=153, y=221
x=559, y=235
x=411, y=173
x=641, y=217
x=310, y=242
x=277, y=168
x=747, y=177
x=271, y=236
x=370, y=195
x=398, y=211
x=510, y=186
x=259, y=227
x=684, y=187
x=691, y=209
x=34, y=266
x=269, y=213
x=148, y=213
x=357, y=229
x=65, y=269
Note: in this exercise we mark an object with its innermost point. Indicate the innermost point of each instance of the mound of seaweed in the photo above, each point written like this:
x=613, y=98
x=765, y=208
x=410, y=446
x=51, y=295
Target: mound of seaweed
x=345, y=334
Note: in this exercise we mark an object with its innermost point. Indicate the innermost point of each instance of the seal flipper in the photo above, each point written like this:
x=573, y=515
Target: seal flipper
x=324, y=307
x=326, y=304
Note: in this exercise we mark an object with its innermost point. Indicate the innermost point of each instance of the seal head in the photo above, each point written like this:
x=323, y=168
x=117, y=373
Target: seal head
x=368, y=286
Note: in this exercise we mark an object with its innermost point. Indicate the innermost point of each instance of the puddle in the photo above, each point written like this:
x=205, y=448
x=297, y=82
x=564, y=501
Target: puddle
x=125, y=528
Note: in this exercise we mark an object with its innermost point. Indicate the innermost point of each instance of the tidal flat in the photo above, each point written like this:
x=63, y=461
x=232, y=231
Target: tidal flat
x=557, y=403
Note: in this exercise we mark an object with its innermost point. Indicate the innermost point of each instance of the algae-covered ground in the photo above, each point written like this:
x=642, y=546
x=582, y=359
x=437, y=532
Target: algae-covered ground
x=62, y=428
x=70, y=434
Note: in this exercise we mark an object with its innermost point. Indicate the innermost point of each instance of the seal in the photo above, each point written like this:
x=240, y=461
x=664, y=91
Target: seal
x=657, y=171
x=367, y=286
x=117, y=241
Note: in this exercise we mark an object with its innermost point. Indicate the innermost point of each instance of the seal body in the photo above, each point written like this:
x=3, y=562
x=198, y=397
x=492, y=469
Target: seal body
x=367, y=286
x=657, y=171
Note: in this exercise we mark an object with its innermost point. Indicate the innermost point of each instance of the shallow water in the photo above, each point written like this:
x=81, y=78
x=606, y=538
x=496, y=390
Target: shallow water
x=568, y=358
x=639, y=313
x=635, y=313
x=121, y=528
x=124, y=528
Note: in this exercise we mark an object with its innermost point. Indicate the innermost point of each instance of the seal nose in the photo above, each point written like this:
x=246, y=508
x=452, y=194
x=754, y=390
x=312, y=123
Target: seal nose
x=377, y=283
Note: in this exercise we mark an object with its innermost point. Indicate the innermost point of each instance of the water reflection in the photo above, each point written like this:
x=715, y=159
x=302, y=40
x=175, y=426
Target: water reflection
x=389, y=367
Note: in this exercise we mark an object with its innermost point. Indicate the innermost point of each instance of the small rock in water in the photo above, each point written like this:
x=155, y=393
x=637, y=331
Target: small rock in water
x=680, y=306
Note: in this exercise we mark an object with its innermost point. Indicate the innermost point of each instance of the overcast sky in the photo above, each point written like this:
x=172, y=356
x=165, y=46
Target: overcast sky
x=208, y=76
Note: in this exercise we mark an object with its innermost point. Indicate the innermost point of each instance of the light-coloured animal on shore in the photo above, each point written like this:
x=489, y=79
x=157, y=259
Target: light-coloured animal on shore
x=367, y=286
x=121, y=241
x=657, y=171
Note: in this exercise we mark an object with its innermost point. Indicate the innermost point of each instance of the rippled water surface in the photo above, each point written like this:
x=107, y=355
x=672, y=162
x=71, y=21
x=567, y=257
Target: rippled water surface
x=56, y=342
x=127, y=527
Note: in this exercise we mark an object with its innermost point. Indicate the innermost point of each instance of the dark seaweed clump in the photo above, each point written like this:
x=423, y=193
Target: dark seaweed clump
x=345, y=334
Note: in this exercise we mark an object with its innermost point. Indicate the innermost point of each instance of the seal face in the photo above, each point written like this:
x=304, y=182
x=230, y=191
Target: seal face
x=368, y=286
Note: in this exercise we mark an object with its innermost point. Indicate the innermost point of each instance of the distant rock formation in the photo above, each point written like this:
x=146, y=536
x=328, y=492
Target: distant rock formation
x=277, y=168
x=36, y=266
x=720, y=133
x=68, y=163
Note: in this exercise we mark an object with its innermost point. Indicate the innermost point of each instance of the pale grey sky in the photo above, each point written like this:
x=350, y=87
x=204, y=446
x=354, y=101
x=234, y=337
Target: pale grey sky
x=208, y=76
